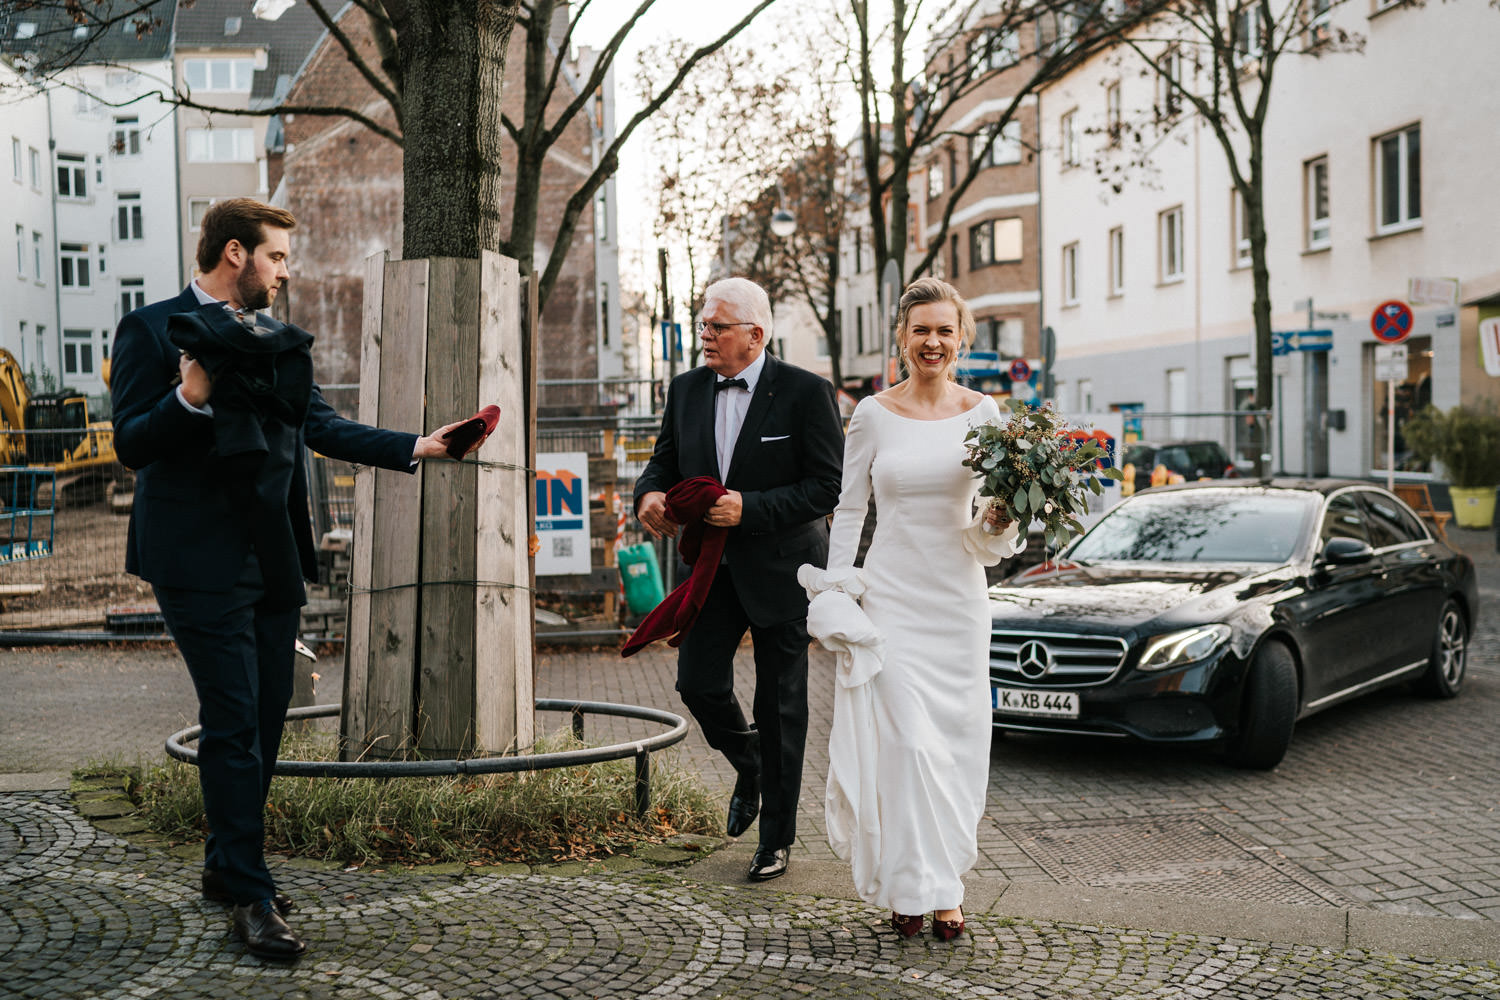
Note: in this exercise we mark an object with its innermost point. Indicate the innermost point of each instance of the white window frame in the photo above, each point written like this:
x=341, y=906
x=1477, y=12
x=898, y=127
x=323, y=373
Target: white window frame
x=78, y=352
x=75, y=266
x=236, y=76
x=126, y=138
x=1169, y=71
x=77, y=167
x=132, y=294
x=129, y=226
x=1320, y=14
x=935, y=185
x=1319, y=231
x=1117, y=261
x=1240, y=214
x=1070, y=274
x=1249, y=42
x=1068, y=126
x=194, y=224
x=220, y=145
x=36, y=167
x=1408, y=217
x=20, y=251
x=1171, y=254
x=36, y=256
x=18, y=162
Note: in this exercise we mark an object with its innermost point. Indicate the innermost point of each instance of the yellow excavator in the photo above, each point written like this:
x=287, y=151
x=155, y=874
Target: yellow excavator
x=52, y=430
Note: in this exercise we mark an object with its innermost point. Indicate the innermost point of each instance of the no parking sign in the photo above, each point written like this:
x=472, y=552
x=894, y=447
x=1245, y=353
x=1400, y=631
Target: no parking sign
x=1391, y=321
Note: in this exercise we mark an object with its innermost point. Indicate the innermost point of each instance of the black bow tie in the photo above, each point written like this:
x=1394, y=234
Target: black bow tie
x=732, y=383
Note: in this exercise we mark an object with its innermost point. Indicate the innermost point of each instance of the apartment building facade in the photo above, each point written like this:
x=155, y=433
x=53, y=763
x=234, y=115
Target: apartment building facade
x=1378, y=188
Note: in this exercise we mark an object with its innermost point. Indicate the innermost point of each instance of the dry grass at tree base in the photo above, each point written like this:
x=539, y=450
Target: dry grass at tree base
x=563, y=814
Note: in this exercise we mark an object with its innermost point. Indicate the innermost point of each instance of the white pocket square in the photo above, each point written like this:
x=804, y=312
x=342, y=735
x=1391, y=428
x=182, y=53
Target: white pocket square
x=781, y=437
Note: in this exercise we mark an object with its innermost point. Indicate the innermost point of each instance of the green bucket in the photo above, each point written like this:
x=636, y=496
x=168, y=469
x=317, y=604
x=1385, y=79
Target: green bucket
x=641, y=577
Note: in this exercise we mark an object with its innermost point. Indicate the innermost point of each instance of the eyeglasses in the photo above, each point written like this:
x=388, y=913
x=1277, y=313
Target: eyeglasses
x=717, y=329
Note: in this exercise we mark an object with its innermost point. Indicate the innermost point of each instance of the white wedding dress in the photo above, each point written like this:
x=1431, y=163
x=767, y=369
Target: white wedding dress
x=910, y=746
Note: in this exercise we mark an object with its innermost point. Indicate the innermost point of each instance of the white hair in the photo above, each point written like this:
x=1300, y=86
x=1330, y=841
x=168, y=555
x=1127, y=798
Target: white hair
x=751, y=299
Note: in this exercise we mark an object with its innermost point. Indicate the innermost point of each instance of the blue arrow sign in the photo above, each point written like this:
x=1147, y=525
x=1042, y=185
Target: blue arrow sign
x=1301, y=340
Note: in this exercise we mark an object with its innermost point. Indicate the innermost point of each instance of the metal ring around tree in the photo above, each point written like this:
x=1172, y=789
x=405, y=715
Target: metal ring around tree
x=640, y=750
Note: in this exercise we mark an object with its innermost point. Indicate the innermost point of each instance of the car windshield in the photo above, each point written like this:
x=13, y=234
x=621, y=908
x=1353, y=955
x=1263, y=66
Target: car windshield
x=1232, y=526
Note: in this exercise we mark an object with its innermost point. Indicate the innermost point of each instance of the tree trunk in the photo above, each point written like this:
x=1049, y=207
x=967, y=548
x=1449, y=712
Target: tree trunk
x=452, y=55
x=1261, y=309
x=897, y=210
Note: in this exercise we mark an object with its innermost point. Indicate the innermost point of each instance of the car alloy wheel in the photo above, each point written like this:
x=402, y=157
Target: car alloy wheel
x=1450, y=653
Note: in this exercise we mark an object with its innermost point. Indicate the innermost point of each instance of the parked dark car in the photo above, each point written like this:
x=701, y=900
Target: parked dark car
x=1221, y=613
x=1191, y=460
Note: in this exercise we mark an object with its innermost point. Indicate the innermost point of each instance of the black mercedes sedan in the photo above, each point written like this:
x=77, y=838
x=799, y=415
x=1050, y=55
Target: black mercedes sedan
x=1222, y=612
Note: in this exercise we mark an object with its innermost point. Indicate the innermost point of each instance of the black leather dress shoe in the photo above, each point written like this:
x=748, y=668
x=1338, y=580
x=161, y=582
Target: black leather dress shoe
x=265, y=933
x=769, y=863
x=744, y=805
x=215, y=892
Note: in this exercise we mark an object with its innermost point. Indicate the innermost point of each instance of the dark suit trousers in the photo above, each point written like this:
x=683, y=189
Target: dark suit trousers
x=240, y=659
x=705, y=679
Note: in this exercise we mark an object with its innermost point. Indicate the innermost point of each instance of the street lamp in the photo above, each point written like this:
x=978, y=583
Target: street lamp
x=783, y=223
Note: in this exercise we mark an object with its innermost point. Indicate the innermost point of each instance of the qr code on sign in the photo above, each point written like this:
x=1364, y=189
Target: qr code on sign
x=562, y=548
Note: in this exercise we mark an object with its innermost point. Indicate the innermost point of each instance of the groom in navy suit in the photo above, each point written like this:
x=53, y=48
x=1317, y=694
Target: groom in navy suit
x=214, y=407
x=770, y=432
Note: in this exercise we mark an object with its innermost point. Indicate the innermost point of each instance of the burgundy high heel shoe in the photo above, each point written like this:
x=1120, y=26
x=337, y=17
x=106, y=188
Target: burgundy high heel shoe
x=947, y=930
x=906, y=926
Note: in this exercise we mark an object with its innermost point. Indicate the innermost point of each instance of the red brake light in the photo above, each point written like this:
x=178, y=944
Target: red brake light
x=1229, y=472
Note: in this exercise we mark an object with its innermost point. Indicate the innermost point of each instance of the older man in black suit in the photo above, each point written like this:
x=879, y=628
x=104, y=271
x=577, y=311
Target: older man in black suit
x=770, y=432
x=220, y=525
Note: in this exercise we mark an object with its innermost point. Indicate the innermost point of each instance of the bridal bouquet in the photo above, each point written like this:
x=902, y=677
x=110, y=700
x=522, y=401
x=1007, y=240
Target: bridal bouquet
x=1038, y=468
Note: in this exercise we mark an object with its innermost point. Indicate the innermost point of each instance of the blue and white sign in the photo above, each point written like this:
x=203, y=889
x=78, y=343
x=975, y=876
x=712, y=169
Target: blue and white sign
x=562, y=513
x=1301, y=340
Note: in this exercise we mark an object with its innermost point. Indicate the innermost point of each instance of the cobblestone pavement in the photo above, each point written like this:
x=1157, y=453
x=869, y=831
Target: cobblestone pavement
x=84, y=915
x=1385, y=807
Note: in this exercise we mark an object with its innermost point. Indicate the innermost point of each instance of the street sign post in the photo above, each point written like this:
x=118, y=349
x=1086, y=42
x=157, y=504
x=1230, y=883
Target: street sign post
x=1390, y=367
x=1391, y=322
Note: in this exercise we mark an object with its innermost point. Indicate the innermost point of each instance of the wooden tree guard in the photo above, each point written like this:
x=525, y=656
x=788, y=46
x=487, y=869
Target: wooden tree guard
x=439, y=651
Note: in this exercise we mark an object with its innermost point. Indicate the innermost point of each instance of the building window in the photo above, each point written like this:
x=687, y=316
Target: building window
x=72, y=176
x=74, y=264
x=1241, y=215
x=128, y=216
x=953, y=254
x=935, y=186
x=132, y=294
x=232, y=75
x=996, y=147
x=127, y=136
x=1070, y=274
x=1249, y=33
x=995, y=241
x=1319, y=227
x=78, y=352
x=197, y=208
x=1069, y=126
x=859, y=330
x=1398, y=180
x=1113, y=118
x=1319, y=13
x=1169, y=83
x=1117, y=261
x=604, y=313
x=18, y=163
x=21, y=251
x=221, y=145
x=36, y=168
x=993, y=50
x=1169, y=230
x=1006, y=337
x=36, y=255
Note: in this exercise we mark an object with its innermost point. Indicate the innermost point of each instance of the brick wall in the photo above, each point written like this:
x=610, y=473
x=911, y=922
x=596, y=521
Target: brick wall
x=344, y=184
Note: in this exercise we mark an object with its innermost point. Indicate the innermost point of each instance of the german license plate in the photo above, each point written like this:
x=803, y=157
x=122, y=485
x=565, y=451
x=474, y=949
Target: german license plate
x=1052, y=704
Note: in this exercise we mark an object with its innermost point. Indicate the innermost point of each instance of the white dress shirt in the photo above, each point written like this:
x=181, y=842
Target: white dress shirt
x=729, y=412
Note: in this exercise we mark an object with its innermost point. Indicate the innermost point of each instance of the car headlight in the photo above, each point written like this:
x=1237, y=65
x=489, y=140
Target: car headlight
x=1177, y=648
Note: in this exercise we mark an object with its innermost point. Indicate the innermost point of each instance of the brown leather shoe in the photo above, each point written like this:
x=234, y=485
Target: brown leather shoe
x=215, y=891
x=265, y=933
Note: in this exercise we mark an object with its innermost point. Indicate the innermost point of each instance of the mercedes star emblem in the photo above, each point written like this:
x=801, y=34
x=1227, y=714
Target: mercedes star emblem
x=1033, y=659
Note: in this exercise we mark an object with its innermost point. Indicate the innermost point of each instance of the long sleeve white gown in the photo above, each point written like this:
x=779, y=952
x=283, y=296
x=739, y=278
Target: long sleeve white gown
x=909, y=748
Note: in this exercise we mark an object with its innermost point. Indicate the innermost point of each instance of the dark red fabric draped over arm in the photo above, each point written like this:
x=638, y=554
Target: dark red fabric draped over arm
x=702, y=546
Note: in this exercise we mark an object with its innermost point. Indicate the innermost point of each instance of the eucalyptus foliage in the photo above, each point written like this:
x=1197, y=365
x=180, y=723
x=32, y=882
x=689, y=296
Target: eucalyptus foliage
x=1039, y=468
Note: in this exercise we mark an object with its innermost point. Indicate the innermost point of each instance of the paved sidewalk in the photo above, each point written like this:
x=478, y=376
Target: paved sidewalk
x=1367, y=865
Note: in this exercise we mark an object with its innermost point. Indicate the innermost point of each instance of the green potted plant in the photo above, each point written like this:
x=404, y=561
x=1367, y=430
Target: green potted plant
x=1466, y=440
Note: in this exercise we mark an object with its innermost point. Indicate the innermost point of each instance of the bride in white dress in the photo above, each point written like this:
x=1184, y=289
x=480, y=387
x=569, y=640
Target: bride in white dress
x=910, y=745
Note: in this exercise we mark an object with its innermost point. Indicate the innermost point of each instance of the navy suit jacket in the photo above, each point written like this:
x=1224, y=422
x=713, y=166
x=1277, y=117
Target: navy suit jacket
x=184, y=530
x=787, y=464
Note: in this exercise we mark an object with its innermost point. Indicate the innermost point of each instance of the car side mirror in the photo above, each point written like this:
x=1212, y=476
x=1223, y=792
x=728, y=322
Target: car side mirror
x=1346, y=552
